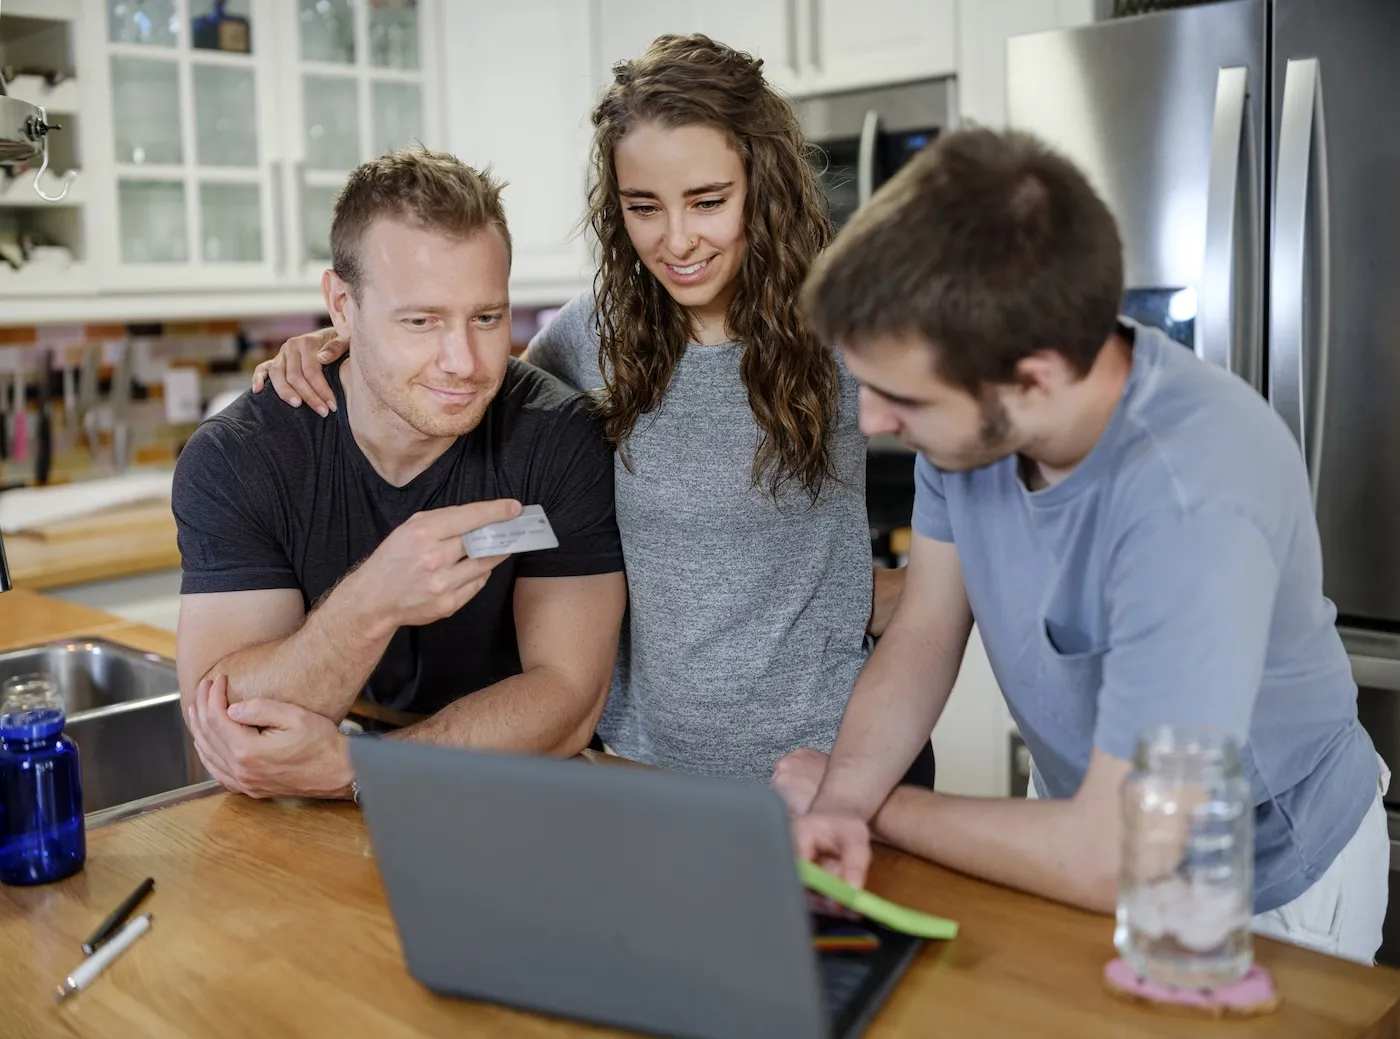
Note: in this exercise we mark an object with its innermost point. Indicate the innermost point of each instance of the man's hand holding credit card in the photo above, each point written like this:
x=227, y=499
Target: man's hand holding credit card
x=528, y=532
x=421, y=572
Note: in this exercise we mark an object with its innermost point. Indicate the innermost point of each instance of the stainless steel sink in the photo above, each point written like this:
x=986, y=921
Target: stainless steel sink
x=124, y=714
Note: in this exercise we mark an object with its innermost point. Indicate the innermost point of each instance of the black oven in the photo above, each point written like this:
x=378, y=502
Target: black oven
x=862, y=137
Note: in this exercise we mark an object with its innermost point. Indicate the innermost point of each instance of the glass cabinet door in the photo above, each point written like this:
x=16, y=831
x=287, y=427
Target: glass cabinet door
x=360, y=90
x=195, y=180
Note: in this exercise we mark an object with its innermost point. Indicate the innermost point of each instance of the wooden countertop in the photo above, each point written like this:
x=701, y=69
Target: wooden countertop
x=28, y=618
x=270, y=920
x=118, y=543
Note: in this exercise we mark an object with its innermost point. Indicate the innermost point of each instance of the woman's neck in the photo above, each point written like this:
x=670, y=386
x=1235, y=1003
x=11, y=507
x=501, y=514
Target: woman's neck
x=707, y=323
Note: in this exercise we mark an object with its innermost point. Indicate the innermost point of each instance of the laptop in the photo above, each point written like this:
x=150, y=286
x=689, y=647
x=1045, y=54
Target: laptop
x=640, y=899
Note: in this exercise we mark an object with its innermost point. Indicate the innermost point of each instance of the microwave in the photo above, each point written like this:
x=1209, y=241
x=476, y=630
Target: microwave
x=861, y=138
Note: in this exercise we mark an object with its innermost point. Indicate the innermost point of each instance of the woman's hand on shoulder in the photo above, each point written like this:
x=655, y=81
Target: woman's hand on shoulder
x=295, y=373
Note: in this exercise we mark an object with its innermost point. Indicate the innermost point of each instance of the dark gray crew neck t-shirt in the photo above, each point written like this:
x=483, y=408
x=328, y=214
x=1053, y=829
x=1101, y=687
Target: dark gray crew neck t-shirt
x=270, y=496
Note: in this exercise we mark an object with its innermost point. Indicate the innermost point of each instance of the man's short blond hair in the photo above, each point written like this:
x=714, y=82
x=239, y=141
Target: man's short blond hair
x=431, y=190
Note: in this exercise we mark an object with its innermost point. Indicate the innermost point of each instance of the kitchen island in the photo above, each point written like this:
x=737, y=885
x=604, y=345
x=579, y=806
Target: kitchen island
x=269, y=920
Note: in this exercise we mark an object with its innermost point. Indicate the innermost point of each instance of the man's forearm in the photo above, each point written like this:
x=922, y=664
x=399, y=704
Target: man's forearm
x=322, y=666
x=893, y=708
x=541, y=711
x=1036, y=846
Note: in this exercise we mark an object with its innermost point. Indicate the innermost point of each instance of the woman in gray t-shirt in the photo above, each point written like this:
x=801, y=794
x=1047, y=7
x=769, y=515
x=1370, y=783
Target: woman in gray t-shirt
x=740, y=473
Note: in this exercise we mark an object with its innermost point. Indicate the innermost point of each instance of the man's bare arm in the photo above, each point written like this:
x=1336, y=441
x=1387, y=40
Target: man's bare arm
x=567, y=629
x=320, y=661
x=271, y=649
x=905, y=685
x=1066, y=850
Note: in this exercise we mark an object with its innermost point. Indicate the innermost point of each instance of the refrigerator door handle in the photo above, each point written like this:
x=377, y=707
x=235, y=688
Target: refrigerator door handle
x=1229, y=288
x=1301, y=282
x=865, y=168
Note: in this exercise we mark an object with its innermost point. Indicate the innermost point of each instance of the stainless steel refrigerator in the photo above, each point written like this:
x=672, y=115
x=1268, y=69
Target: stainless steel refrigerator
x=1250, y=150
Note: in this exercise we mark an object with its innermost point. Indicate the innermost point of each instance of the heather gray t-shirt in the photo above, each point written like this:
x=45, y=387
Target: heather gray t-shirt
x=747, y=617
x=1174, y=577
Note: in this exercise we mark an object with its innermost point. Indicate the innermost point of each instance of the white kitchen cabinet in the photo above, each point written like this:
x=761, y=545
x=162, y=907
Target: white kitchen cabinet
x=983, y=29
x=214, y=170
x=356, y=81
x=184, y=141
x=860, y=43
x=518, y=87
x=764, y=28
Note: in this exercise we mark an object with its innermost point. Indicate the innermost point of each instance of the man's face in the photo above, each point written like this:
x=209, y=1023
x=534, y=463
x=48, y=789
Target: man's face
x=430, y=332
x=901, y=394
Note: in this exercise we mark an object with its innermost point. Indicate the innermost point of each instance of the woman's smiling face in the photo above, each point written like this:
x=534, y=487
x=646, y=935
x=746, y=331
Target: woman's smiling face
x=682, y=193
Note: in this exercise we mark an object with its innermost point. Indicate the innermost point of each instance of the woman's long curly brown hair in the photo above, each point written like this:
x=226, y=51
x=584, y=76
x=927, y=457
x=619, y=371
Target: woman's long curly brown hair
x=790, y=378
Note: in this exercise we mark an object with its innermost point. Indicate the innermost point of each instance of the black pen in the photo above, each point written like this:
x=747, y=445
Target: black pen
x=118, y=917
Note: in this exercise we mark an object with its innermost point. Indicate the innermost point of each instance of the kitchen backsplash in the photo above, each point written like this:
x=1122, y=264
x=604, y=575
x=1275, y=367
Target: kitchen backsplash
x=175, y=370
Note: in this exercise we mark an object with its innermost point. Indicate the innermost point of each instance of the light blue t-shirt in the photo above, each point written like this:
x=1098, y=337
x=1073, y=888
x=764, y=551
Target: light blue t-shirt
x=1175, y=576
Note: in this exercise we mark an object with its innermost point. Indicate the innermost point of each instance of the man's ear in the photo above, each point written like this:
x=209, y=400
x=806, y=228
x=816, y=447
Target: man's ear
x=340, y=302
x=1041, y=372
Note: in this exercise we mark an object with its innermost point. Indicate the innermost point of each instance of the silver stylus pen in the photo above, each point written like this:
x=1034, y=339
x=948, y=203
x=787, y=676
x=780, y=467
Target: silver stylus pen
x=84, y=974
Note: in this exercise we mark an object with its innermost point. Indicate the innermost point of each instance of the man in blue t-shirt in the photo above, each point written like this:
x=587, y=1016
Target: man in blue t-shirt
x=1131, y=529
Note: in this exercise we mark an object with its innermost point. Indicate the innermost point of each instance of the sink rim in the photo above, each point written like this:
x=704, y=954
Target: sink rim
x=89, y=643
x=94, y=644
x=153, y=803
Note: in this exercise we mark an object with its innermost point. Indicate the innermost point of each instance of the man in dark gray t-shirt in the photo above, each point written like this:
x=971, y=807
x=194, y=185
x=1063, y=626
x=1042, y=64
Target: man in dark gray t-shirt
x=323, y=560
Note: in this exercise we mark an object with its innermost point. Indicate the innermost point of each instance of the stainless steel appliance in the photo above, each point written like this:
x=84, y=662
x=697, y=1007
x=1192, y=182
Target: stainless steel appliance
x=864, y=136
x=1248, y=149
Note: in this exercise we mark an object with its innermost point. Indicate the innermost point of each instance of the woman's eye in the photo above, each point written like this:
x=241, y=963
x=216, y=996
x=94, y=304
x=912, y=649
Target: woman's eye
x=642, y=210
x=709, y=205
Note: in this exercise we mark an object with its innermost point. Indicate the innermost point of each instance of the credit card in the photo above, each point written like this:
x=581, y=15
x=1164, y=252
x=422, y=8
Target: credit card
x=528, y=532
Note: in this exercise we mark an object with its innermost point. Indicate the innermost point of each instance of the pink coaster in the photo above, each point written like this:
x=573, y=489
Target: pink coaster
x=1252, y=994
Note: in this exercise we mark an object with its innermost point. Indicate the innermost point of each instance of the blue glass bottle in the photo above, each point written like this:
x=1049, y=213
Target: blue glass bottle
x=42, y=831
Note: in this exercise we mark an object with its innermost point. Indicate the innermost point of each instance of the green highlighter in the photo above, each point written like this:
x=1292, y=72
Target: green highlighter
x=882, y=911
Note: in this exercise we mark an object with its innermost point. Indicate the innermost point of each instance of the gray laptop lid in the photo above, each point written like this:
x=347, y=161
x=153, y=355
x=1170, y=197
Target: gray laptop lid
x=645, y=900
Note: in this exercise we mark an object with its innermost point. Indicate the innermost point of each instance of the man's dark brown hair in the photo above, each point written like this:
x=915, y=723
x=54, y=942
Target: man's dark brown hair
x=989, y=245
x=426, y=189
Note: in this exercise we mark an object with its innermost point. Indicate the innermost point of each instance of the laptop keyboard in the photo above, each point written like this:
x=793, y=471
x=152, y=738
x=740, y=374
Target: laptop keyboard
x=842, y=980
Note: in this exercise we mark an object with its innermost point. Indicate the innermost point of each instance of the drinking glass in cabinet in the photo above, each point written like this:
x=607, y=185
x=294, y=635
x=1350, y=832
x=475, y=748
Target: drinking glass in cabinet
x=152, y=221
x=223, y=26
x=230, y=217
x=396, y=111
x=152, y=22
x=328, y=31
x=317, y=208
x=393, y=34
x=332, y=123
x=146, y=110
x=225, y=116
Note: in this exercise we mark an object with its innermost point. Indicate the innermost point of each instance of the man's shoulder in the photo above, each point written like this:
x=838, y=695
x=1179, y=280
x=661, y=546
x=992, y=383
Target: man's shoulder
x=1202, y=434
x=254, y=438
x=531, y=396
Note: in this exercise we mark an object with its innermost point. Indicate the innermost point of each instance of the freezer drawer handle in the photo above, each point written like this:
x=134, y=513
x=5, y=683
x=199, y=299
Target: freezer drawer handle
x=1298, y=302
